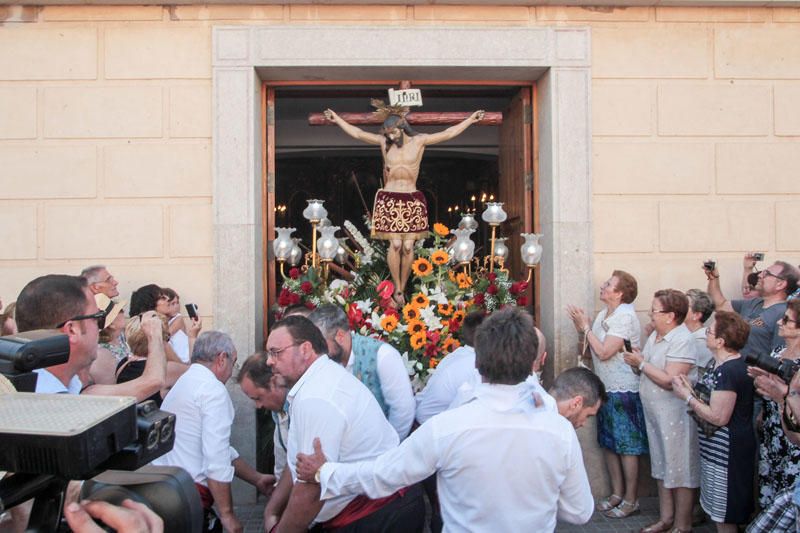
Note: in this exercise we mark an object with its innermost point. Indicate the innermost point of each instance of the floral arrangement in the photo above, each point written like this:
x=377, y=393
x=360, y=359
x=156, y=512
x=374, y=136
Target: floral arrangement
x=426, y=328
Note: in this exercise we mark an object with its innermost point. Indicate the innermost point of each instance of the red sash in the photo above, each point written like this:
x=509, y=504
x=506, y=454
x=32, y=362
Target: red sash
x=206, y=498
x=360, y=507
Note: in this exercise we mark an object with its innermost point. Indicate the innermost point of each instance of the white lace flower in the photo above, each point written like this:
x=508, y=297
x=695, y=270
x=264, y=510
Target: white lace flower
x=432, y=322
x=365, y=306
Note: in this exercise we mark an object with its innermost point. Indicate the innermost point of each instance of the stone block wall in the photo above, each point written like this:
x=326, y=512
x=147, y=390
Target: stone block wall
x=105, y=126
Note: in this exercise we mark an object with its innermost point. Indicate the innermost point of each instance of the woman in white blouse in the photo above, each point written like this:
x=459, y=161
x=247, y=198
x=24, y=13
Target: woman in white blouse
x=620, y=421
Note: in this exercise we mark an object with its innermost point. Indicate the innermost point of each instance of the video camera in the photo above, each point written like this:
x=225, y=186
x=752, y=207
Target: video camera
x=783, y=368
x=49, y=439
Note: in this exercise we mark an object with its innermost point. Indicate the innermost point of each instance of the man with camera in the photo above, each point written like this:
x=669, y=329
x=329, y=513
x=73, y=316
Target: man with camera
x=773, y=285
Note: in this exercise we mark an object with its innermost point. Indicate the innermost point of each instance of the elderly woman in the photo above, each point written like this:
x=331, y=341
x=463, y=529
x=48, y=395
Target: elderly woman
x=779, y=459
x=727, y=457
x=111, y=348
x=620, y=421
x=669, y=352
x=700, y=310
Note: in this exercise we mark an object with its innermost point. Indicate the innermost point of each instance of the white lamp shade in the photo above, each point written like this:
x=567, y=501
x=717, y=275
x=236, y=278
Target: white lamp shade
x=314, y=212
x=282, y=245
x=494, y=213
x=327, y=244
x=531, y=249
x=464, y=247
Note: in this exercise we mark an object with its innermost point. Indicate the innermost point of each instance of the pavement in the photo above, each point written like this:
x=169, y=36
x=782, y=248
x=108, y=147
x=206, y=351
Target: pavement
x=251, y=517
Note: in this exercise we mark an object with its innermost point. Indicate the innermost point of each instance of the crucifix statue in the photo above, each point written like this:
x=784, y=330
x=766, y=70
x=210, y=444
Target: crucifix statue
x=400, y=212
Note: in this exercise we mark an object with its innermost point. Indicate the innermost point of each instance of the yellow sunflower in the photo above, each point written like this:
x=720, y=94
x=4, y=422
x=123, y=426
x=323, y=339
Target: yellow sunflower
x=389, y=323
x=416, y=326
x=445, y=309
x=450, y=344
x=417, y=340
x=420, y=300
x=433, y=363
x=410, y=312
x=459, y=315
x=441, y=230
x=422, y=267
x=463, y=280
x=451, y=275
x=440, y=257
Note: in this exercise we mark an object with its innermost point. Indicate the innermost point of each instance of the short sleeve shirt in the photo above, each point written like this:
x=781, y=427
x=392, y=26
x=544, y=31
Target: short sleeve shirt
x=615, y=374
x=763, y=325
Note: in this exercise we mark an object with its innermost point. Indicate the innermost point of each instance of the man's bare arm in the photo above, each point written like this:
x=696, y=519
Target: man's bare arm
x=714, y=290
x=304, y=505
x=277, y=502
x=453, y=131
x=223, y=501
x=352, y=131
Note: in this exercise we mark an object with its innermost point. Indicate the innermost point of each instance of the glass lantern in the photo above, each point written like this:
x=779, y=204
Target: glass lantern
x=314, y=212
x=282, y=245
x=531, y=249
x=464, y=247
x=327, y=244
x=494, y=213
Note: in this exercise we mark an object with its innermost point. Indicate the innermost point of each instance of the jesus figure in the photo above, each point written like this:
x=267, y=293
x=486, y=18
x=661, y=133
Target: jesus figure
x=400, y=213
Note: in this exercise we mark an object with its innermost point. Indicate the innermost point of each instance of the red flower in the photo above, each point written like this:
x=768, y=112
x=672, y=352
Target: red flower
x=310, y=305
x=432, y=349
x=306, y=287
x=392, y=311
x=355, y=316
x=491, y=276
x=385, y=289
x=294, y=272
x=491, y=289
x=479, y=299
x=284, y=298
x=453, y=325
x=514, y=289
x=294, y=298
x=522, y=301
x=434, y=336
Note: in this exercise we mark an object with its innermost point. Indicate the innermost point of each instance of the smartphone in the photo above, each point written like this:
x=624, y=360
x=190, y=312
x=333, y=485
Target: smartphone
x=758, y=256
x=627, y=343
x=191, y=310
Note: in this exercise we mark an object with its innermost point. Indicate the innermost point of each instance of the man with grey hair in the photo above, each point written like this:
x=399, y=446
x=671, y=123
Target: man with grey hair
x=376, y=364
x=100, y=280
x=204, y=414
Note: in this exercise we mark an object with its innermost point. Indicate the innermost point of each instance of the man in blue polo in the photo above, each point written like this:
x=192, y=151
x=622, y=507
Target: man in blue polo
x=375, y=363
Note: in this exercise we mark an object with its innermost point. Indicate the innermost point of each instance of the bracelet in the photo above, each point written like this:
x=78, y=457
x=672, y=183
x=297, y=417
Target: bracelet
x=586, y=331
x=641, y=365
x=689, y=400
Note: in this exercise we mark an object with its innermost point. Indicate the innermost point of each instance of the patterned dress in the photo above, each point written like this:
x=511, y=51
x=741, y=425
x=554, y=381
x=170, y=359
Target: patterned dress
x=778, y=459
x=727, y=458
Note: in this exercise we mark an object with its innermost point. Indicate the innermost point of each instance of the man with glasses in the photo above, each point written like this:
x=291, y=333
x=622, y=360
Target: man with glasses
x=100, y=280
x=774, y=284
x=65, y=303
x=325, y=400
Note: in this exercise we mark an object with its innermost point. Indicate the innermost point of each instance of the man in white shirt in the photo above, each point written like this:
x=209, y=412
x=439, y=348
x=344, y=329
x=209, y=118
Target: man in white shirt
x=268, y=391
x=326, y=400
x=503, y=464
x=579, y=394
x=204, y=414
x=451, y=372
x=62, y=302
x=376, y=364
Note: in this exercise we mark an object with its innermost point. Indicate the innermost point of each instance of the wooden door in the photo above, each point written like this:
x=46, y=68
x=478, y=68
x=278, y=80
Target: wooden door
x=268, y=201
x=515, y=185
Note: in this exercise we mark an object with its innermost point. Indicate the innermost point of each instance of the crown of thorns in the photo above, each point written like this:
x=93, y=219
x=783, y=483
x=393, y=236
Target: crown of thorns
x=383, y=111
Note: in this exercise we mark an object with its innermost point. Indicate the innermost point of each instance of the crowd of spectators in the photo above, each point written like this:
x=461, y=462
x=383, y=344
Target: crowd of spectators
x=488, y=446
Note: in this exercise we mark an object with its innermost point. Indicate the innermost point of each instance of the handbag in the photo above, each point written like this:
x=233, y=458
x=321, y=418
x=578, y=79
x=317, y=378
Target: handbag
x=702, y=392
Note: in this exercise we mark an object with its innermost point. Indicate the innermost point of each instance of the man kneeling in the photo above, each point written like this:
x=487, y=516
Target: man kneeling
x=502, y=463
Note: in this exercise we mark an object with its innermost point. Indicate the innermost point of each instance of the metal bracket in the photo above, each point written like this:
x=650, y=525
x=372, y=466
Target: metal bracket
x=271, y=182
x=528, y=181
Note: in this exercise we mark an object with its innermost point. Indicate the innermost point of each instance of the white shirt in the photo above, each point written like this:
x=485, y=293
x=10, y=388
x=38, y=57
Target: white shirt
x=615, y=374
x=704, y=355
x=180, y=343
x=330, y=403
x=501, y=465
x=451, y=372
x=47, y=383
x=279, y=439
x=203, y=417
x=395, y=386
x=468, y=391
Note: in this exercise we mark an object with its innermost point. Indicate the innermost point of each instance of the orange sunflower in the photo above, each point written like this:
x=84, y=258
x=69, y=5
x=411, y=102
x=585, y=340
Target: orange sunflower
x=433, y=363
x=410, y=312
x=417, y=340
x=440, y=257
x=389, y=323
x=416, y=326
x=445, y=309
x=450, y=344
x=463, y=280
x=459, y=315
x=441, y=230
x=422, y=267
x=420, y=300
x=451, y=275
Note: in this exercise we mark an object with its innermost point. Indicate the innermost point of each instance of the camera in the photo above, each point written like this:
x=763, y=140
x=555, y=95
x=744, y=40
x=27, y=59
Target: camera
x=50, y=439
x=758, y=256
x=709, y=265
x=783, y=368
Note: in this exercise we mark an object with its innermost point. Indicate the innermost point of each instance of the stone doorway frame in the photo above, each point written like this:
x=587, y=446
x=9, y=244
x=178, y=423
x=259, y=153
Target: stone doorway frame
x=243, y=57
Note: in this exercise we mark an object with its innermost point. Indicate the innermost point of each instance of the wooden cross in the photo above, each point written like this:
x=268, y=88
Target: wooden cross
x=420, y=118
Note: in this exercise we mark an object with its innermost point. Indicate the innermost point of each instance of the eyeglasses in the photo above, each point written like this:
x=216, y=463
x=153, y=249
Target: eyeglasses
x=275, y=353
x=785, y=320
x=656, y=311
x=100, y=316
x=768, y=273
x=710, y=333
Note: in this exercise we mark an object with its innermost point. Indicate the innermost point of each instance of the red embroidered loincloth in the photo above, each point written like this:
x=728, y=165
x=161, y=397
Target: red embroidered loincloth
x=399, y=215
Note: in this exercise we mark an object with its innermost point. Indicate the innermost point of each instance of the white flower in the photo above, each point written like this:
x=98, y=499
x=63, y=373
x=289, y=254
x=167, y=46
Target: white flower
x=364, y=305
x=409, y=364
x=376, y=321
x=432, y=322
x=337, y=285
x=436, y=295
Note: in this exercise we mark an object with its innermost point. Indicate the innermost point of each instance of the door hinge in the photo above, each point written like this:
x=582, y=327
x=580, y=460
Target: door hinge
x=528, y=181
x=527, y=114
x=271, y=182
